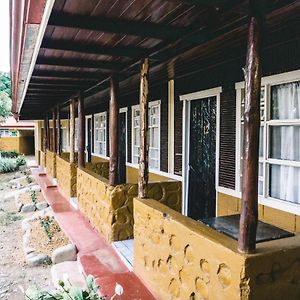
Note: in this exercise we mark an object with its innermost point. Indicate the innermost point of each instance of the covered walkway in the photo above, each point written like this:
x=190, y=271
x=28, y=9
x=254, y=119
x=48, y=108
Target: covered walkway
x=97, y=257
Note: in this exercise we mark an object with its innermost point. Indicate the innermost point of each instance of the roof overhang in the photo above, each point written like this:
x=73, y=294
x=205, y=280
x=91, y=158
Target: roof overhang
x=28, y=22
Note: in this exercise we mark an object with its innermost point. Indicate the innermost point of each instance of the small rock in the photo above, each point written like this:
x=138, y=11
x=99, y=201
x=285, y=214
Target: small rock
x=25, y=225
x=34, y=259
x=41, y=205
x=65, y=253
x=28, y=208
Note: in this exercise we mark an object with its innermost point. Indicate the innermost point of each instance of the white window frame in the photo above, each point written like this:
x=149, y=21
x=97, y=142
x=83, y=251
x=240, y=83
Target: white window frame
x=264, y=199
x=104, y=155
x=137, y=107
x=6, y=133
x=187, y=98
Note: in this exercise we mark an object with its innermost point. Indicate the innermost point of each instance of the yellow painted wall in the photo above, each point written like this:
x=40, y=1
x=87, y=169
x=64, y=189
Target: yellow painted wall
x=181, y=259
x=20, y=144
x=132, y=173
x=51, y=163
x=66, y=175
x=228, y=205
x=9, y=143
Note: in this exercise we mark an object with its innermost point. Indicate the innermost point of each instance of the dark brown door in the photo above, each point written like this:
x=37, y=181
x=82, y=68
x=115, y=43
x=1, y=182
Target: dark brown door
x=202, y=159
x=89, y=140
x=122, y=148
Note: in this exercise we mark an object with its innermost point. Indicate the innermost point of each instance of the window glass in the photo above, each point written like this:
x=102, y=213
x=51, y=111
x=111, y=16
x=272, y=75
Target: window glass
x=285, y=101
x=153, y=134
x=279, y=142
x=100, y=134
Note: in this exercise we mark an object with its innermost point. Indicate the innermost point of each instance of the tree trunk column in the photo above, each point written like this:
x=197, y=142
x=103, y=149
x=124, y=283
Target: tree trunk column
x=113, y=131
x=81, y=132
x=72, y=131
x=58, y=147
x=249, y=212
x=45, y=134
x=144, y=147
x=54, y=132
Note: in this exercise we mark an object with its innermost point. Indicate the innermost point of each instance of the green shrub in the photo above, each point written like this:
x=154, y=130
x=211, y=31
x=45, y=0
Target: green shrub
x=67, y=291
x=21, y=161
x=9, y=154
x=8, y=165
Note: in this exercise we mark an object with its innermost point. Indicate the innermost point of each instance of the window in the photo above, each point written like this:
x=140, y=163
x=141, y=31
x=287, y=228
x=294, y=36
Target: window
x=100, y=134
x=64, y=139
x=135, y=134
x=4, y=132
x=7, y=132
x=279, y=149
x=154, y=134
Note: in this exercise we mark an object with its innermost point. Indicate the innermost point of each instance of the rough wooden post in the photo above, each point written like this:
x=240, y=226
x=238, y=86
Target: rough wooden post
x=81, y=132
x=249, y=212
x=113, y=131
x=45, y=134
x=144, y=147
x=58, y=146
x=54, y=132
x=72, y=131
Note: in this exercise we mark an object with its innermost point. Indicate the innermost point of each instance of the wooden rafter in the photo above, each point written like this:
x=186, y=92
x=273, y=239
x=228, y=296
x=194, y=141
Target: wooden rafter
x=76, y=63
x=60, y=74
x=129, y=51
x=120, y=26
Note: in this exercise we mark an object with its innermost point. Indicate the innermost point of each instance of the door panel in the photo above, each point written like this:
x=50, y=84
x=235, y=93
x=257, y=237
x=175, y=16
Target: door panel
x=89, y=140
x=202, y=159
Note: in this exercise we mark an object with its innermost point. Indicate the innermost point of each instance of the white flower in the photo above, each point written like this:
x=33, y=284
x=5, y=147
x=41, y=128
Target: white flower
x=65, y=277
x=118, y=289
x=21, y=288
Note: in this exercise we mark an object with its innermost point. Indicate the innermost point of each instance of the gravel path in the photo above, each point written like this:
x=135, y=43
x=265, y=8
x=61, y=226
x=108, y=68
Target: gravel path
x=13, y=270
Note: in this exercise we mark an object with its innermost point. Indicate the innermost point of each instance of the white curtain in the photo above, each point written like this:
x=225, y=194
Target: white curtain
x=285, y=142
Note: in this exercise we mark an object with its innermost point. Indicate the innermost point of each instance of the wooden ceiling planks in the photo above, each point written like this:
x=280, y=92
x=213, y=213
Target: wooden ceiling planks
x=227, y=28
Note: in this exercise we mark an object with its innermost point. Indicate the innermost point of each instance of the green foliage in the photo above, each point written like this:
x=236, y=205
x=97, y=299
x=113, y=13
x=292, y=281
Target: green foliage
x=50, y=226
x=5, y=83
x=8, y=165
x=5, y=96
x=68, y=292
x=33, y=197
x=9, y=154
x=21, y=161
x=29, y=179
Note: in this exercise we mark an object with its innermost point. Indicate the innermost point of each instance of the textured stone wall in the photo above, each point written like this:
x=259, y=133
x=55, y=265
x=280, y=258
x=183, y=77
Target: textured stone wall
x=110, y=209
x=100, y=168
x=66, y=177
x=179, y=258
x=51, y=163
x=42, y=159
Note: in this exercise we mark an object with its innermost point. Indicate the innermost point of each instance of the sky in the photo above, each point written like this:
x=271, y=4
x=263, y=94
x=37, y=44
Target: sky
x=4, y=35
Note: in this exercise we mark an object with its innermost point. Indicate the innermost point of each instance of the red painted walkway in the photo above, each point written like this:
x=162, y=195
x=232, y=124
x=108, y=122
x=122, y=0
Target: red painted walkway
x=97, y=257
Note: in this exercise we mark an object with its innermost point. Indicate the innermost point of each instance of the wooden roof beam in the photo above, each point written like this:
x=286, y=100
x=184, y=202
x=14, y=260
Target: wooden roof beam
x=61, y=82
x=132, y=52
x=120, y=26
x=93, y=76
x=76, y=63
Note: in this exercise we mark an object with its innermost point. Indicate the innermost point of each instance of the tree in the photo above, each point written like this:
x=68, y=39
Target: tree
x=5, y=96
